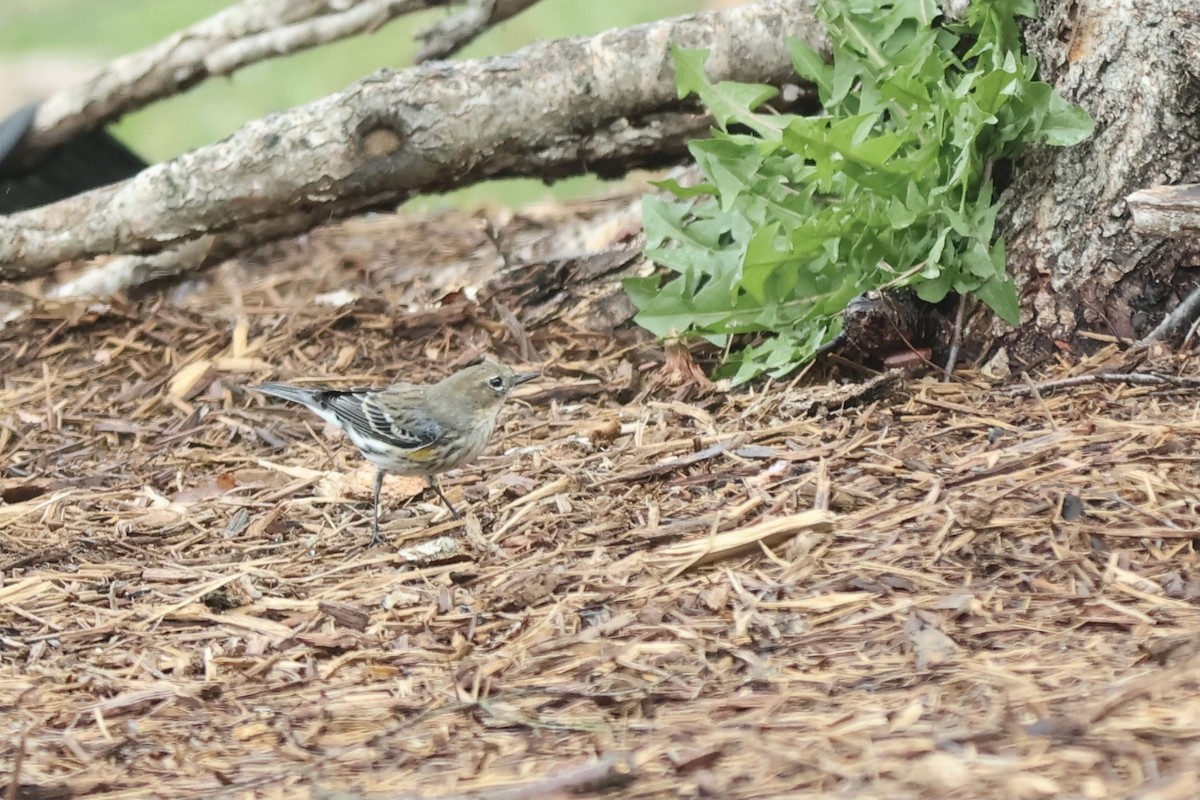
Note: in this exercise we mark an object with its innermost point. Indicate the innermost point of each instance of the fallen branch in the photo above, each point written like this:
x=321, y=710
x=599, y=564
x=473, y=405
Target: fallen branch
x=122, y=272
x=243, y=34
x=1132, y=378
x=658, y=138
x=551, y=109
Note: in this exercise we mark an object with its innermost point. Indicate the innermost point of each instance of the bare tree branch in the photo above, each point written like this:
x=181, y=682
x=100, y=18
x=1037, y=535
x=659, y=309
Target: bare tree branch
x=448, y=36
x=240, y=35
x=364, y=16
x=551, y=109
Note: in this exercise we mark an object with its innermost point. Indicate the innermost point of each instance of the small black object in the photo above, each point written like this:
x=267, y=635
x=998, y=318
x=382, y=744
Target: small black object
x=92, y=159
x=12, y=131
x=1072, y=507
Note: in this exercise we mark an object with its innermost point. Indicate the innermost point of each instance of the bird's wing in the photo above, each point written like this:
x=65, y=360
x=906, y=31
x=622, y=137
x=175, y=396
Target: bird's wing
x=375, y=413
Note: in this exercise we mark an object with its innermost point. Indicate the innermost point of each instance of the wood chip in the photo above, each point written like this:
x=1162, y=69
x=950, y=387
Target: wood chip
x=639, y=565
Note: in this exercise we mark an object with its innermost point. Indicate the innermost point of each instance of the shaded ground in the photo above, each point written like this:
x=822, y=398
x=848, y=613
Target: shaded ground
x=1004, y=607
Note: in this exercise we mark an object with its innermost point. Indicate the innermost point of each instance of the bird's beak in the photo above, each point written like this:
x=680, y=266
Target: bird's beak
x=525, y=377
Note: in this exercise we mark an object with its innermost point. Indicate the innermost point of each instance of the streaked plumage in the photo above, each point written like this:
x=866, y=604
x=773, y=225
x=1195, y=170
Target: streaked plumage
x=409, y=429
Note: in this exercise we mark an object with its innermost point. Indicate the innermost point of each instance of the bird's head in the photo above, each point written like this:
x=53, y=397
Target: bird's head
x=481, y=387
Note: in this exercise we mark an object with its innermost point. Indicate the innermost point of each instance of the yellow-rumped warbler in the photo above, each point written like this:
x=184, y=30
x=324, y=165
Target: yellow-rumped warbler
x=414, y=430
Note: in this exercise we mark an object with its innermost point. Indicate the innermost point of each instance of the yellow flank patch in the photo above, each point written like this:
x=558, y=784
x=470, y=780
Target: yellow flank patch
x=421, y=454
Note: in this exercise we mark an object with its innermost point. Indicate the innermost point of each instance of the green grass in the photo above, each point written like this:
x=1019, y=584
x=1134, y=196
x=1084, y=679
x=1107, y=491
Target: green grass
x=217, y=107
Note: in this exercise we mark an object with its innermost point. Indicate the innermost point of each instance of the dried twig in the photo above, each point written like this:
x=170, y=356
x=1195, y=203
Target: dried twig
x=1133, y=378
x=605, y=773
x=446, y=37
x=361, y=16
x=595, y=776
x=1178, y=322
x=717, y=546
x=673, y=464
x=245, y=33
x=956, y=338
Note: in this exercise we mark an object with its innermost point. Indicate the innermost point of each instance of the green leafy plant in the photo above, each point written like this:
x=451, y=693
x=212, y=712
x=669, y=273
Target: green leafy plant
x=889, y=187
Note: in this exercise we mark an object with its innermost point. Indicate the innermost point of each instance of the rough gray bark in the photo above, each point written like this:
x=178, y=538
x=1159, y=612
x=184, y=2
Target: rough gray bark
x=549, y=110
x=1072, y=246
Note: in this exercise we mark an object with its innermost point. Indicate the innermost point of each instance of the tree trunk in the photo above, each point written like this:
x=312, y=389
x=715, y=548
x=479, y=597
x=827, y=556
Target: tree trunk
x=1071, y=244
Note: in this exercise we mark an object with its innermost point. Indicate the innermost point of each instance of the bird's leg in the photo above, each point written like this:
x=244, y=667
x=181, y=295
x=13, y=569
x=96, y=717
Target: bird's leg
x=376, y=538
x=432, y=479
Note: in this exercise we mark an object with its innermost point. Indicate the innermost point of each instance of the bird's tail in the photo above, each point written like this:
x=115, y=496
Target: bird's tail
x=285, y=391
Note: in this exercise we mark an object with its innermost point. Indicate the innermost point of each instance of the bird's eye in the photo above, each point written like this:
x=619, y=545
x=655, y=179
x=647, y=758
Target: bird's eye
x=496, y=383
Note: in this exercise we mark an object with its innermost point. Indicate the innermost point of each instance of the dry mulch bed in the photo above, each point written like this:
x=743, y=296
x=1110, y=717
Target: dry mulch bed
x=912, y=589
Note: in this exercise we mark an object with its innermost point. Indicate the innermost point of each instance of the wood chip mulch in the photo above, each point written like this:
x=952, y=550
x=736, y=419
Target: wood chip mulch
x=805, y=589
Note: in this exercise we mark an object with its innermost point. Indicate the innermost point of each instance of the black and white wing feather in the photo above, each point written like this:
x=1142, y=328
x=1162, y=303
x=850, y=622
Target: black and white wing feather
x=365, y=415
